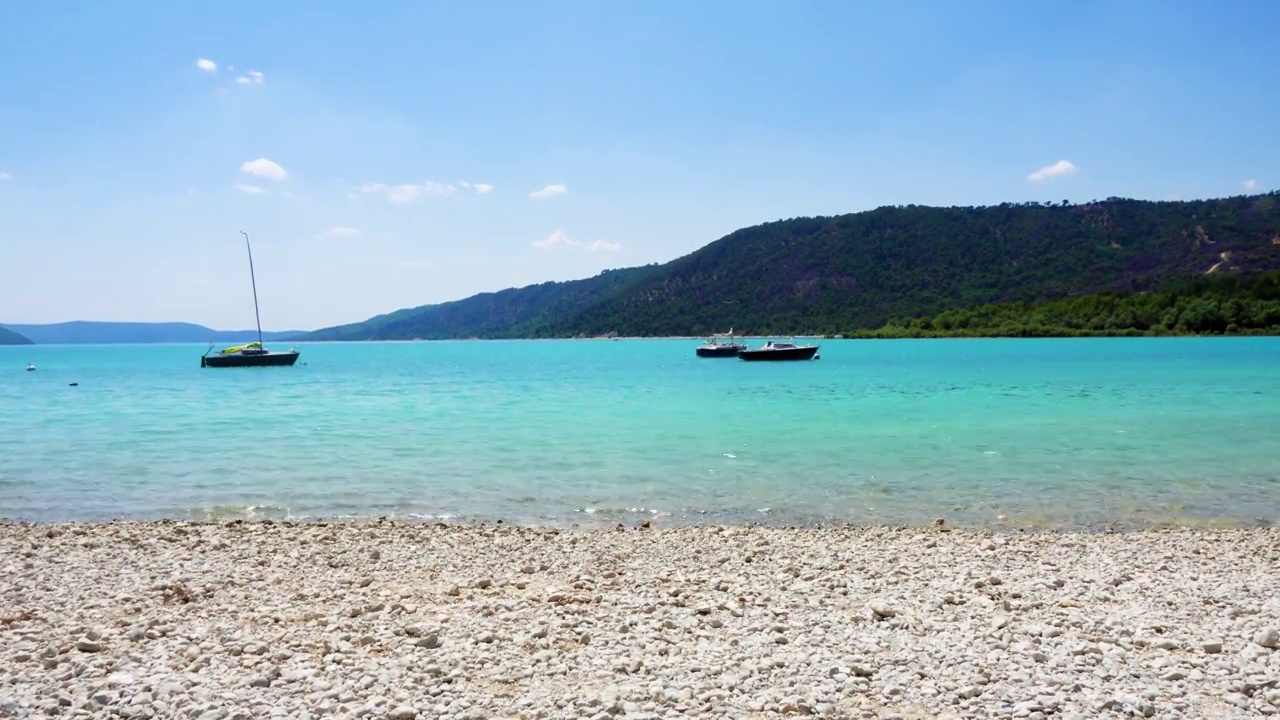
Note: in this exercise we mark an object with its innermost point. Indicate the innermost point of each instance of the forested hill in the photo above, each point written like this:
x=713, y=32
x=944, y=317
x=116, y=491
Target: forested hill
x=522, y=312
x=1214, y=304
x=9, y=337
x=850, y=272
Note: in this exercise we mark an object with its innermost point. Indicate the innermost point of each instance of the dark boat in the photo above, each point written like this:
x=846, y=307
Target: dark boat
x=780, y=351
x=715, y=348
x=251, y=354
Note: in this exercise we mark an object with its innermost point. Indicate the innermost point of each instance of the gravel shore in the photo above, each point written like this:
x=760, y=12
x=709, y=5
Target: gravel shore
x=384, y=620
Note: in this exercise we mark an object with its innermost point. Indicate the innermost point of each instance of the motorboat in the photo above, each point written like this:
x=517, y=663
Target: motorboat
x=772, y=350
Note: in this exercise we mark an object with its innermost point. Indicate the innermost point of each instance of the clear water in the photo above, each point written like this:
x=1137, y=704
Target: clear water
x=1065, y=433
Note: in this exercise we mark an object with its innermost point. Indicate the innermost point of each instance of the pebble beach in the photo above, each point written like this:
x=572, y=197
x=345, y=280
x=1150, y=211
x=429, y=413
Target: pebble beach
x=387, y=620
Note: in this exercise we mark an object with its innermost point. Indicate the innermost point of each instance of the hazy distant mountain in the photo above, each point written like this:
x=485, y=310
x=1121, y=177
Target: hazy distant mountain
x=9, y=337
x=105, y=333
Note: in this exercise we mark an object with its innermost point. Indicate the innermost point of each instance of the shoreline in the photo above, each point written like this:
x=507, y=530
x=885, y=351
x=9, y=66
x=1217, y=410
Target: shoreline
x=406, y=620
x=661, y=522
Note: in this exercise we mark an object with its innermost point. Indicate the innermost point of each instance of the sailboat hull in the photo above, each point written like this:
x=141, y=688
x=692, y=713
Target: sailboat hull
x=266, y=359
x=719, y=351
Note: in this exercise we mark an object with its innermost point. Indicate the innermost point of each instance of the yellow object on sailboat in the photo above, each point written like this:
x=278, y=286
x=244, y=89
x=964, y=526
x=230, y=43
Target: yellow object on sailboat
x=237, y=348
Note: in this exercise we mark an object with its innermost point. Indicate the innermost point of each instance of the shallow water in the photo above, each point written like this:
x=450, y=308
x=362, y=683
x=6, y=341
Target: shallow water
x=1053, y=433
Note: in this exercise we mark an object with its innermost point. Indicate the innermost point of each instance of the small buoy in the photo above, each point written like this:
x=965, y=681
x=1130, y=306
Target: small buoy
x=817, y=357
x=31, y=367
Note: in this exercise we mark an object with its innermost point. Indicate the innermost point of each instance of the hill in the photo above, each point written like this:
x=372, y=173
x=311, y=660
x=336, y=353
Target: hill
x=857, y=271
x=523, y=312
x=9, y=337
x=87, y=333
x=1207, y=305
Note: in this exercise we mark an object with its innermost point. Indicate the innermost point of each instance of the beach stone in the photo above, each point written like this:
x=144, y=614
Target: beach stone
x=882, y=609
x=87, y=645
x=1268, y=638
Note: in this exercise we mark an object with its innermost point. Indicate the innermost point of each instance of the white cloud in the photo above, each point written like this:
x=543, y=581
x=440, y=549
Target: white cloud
x=251, y=189
x=207, y=65
x=253, y=77
x=549, y=191
x=1250, y=184
x=555, y=241
x=409, y=192
x=1058, y=169
x=560, y=240
x=340, y=231
x=5, y=176
x=479, y=188
x=411, y=264
x=264, y=168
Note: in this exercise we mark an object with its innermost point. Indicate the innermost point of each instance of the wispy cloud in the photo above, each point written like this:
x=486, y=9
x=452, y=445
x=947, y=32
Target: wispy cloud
x=407, y=193
x=549, y=191
x=5, y=176
x=557, y=240
x=340, y=232
x=251, y=189
x=1250, y=184
x=478, y=188
x=253, y=77
x=560, y=240
x=207, y=65
x=411, y=264
x=1058, y=169
x=264, y=168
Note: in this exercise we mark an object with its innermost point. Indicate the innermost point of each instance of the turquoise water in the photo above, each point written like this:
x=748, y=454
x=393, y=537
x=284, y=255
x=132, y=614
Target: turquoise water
x=1040, y=432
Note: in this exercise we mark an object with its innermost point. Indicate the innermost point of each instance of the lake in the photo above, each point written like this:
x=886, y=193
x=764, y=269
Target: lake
x=1070, y=433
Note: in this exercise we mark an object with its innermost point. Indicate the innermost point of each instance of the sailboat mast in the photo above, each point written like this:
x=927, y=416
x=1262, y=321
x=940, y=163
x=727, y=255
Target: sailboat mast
x=254, y=282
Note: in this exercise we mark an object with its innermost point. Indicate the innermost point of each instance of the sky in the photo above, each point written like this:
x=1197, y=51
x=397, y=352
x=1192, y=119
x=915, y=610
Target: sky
x=400, y=153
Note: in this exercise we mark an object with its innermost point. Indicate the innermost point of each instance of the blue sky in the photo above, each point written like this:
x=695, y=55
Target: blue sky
x=392, y=154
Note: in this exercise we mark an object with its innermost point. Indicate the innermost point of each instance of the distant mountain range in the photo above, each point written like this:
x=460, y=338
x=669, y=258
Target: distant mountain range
x=9, y=337
x=89, y=333
x=855, y=272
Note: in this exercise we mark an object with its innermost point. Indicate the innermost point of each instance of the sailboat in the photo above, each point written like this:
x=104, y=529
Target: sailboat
x=715, y=348
x=250, y=354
